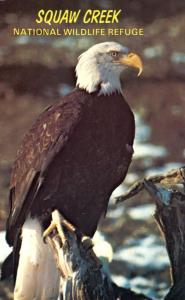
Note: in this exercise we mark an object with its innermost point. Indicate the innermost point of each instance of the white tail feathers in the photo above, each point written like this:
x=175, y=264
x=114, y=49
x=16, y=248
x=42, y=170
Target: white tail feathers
x=37, y=275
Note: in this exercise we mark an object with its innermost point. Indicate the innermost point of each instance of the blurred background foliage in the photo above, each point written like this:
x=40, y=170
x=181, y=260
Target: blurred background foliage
x=36, y=71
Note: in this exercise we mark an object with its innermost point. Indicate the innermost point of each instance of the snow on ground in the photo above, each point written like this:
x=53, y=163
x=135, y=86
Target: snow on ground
x=146, y=253
x=143, y=285
x=141, y=148
x=142, y=212
x=149, y=150
x=115, y=213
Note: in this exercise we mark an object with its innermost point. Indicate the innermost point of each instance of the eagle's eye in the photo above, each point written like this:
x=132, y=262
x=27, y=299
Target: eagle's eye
x=114, y=54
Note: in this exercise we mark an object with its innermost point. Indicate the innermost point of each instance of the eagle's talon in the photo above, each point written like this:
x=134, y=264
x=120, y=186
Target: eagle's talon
x=48, y=231
x=59, y=224
x=68, y=225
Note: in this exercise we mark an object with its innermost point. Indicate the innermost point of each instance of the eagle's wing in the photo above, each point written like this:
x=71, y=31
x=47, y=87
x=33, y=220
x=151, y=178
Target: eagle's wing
x=48, y=136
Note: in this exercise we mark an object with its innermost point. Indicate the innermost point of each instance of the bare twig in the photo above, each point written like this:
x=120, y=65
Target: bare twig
x=173, y=177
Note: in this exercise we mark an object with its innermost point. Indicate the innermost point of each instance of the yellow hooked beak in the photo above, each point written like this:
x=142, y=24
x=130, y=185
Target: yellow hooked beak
x=132, y=60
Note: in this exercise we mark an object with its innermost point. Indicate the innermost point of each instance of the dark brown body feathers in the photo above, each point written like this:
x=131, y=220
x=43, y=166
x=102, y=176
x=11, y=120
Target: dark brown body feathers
x=72, y=159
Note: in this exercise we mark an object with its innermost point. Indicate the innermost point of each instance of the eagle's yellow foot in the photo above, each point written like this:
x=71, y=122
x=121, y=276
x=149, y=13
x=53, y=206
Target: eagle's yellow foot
x=57, y=223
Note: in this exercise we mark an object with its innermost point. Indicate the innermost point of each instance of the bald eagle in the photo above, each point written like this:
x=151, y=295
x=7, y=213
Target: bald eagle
x=77, y=152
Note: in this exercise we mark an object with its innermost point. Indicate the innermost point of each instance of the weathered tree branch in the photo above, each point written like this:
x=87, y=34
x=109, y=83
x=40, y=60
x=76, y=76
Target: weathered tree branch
x=172, y=178
x=81, y=271
x=170, y=216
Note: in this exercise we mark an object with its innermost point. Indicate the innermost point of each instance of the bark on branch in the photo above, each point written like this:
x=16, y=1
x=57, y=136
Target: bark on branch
x=170, y=179
x=83, y=277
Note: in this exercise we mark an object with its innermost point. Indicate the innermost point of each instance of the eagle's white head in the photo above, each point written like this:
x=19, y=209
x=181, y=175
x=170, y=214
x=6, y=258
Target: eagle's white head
x=100, y=67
